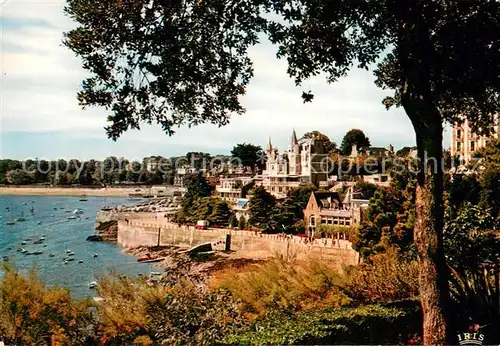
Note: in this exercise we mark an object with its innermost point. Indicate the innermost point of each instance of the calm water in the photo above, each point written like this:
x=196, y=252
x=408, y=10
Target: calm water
x=62, y=234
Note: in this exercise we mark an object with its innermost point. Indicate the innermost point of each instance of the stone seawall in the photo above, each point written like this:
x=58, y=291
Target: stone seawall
x=106, y=222
x=150, y=232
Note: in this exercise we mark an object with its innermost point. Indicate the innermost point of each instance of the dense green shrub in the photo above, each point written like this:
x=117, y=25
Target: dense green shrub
x=371, y=324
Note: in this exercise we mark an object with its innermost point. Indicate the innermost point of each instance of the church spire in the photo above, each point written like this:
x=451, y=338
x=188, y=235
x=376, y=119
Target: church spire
x=270, y=145
x=294, y=138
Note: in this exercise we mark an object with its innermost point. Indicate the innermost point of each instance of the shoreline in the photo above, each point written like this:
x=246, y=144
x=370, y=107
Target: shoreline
x=132, y=192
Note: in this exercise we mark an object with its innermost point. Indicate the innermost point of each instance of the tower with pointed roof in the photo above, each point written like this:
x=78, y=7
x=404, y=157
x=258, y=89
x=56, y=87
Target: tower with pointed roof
x=294, y=155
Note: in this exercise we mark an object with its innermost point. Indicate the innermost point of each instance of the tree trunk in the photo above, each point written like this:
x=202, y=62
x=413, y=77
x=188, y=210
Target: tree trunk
x=429, y=214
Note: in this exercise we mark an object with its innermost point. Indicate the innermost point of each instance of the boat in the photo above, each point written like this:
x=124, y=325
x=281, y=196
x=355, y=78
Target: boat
x=21, y=219
x=68, y=251
x=70, y=259
x=72, y=218
x=51, y=255
x=78, y=211
x=39, y=241
x=43, y=237
x=23, y=250
x=55, y=208
x=24, y=243
x=71, y=253
x=95, y=255
x=83, y=200
x=65, y=262
x=80, y=261
x=149, y=259
x=38, y=252
x=10, y=223
x=39, y=223
x=27, y=239
x=93, y=284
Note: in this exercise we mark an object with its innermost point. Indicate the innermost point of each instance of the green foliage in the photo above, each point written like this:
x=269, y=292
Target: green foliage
x=462, y=189
x=248, y=154
x=233, y=222
x=246, y=189
x=354, y=137
x=242, y=222
x=471, y=237
x=371, y=324
x=214, y=210
x=261, y=207
x=490, y=176
x=329, y=145
x=221, y=213
x=196, y=187
x=388, y=221
x=366, y=190
x=291, y=210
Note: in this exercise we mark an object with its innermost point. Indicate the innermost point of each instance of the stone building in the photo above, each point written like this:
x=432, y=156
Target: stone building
x=328, y=208
x=229, y=189
x=304, y=162
x=464, y=142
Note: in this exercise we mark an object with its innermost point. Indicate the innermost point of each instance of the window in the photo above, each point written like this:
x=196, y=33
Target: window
x=459, y=146
x=459, y=133
x=323, y=221
x=472, y=146
x=330, y=221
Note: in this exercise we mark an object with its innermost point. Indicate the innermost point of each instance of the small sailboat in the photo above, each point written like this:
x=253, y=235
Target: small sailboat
x=22, y=218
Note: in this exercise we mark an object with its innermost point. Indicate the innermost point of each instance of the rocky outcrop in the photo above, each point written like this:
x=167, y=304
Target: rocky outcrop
x=106, y=225
x=94, y=238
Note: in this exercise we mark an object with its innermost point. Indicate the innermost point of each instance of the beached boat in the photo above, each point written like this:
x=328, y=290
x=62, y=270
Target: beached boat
x=149, y=259
x=93, y=284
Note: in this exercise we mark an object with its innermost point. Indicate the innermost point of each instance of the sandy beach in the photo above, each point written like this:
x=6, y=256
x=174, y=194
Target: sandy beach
x=79, y=192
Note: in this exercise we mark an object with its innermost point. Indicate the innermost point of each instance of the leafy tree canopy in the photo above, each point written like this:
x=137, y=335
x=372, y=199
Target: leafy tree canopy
x=261, y=207
x=329, y=145
x=354, y=137
x=249, y=155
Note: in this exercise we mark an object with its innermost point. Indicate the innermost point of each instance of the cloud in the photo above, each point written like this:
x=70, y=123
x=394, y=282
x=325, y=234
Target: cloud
x=40, y=79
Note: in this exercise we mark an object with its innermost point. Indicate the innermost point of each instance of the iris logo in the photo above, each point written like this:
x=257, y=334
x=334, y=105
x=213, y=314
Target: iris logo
x=472, y=337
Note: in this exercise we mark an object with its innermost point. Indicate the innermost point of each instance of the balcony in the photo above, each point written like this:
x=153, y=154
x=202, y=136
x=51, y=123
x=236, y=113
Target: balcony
x=219, y=188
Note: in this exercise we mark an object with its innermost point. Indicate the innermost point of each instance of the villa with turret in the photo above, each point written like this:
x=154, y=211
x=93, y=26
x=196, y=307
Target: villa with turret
x=305, y=162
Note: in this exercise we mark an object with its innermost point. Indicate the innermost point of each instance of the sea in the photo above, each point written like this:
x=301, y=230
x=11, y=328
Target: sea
x=53, y=218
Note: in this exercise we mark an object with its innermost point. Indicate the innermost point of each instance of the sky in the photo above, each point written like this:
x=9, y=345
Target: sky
x=41, y=118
